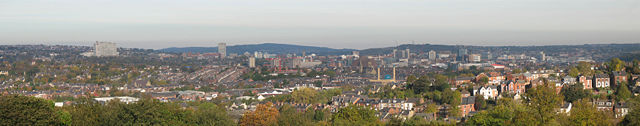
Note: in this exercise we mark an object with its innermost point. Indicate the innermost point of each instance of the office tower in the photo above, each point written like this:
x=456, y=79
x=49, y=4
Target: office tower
x=462, y=54
x=105, y=49
x=474, y=58
x=542, y=56
x=394, y=52
x=408, y=53
x=487, y=55
x=252, y=62
x=432, y=55
x=222, y=49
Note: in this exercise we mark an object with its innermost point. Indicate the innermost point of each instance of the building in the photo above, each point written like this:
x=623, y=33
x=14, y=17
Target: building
x=467, y=105
x=124, y=99
x=222, y=49
x=601, y=80
x=586, y=81
x=475, y=58
x=252, y=62
x=432, y=55
x=408, y=53
x=487, y=92
x=105, y=49
x=618, y=77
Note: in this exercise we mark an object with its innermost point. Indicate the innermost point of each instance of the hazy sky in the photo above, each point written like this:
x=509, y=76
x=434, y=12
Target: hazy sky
x=331, y=23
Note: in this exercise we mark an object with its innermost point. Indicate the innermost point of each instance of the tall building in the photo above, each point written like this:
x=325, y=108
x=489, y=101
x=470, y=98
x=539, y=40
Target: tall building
x=394, y=52
x=408, y=53
x=542, y=56
x=356, y=53
x=222, y=49
x=432, y=55
x=462, y=54
x=487, y=55
x=252, y=62
x=105, y=49
x=474, y=58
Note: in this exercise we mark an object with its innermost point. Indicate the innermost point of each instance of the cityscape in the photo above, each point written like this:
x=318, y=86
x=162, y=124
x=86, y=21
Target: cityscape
x=320, y=63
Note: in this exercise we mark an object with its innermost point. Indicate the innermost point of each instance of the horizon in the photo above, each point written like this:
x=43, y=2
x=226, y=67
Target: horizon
x=231, y=44
x=336, y=24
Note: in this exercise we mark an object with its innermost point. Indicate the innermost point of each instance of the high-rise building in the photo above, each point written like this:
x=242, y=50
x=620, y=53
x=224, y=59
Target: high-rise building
x=432, y=55
x=105, y=49
x=356, y=53
x=542, y=56
x=252, y=62
x=462, y=54
x=474, y=58
x=408, y=53
x=487, y=55
x=394, y=52
x=222, y=49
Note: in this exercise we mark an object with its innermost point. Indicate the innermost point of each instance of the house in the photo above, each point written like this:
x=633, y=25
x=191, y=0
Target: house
x=395, y=103
x=467, y=105
x=514, y=87
x=601, y=80
x=621, y=109
x=462, y=80
x=565, y=108
x=587, y=81
x=618, y=77
x=487, y=92
x=569, y=80
x=604, y=105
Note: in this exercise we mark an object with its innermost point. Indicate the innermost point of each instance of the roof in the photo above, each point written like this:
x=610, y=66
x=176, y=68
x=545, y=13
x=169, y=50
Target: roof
x=468, y=100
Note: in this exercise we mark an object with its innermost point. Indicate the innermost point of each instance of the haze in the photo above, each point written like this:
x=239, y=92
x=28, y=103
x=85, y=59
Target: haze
x=331, y=23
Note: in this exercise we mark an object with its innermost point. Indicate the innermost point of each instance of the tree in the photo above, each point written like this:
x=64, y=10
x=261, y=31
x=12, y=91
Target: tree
x=573, y=72
x=24, y=110
x=616, y=64
x=355, y=116
x=480, y=103
x=574, y=92
x=305, y=95
x=633, y=117
x=542, y=101
x=289, y=116
x=211, y=114
x=265, y=114
x=585, y=114
x=622, y=92
x=484, y=80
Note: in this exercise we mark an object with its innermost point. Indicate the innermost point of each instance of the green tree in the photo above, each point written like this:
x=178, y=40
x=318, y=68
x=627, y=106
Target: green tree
x=24, y=110
x=542, y=101
x=355, y=116
x=212, y=115
x=585, y=114
x=574, y=92
x=574, y=72
x=289, y=116
x=305, y=95
x=622, y=92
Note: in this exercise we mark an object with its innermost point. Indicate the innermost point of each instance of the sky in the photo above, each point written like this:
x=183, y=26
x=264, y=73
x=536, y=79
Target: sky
x=357, y=24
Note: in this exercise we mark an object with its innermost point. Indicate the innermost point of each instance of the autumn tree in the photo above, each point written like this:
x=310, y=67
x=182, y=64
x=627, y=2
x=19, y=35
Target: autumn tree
x=264, y=115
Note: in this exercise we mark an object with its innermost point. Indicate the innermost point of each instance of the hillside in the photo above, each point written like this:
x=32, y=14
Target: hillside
x=272, y=48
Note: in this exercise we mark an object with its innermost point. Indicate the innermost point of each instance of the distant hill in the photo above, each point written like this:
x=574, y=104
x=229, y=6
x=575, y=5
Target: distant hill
x=272, y=48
